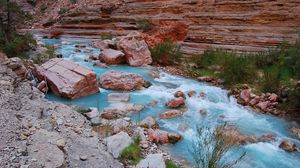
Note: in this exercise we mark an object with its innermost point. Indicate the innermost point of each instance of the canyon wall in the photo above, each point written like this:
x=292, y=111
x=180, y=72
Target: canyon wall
x=242, y=25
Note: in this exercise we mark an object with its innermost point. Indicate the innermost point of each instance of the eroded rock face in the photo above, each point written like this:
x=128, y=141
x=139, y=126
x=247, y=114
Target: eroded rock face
x=136, y=49
x=117, y=80
x=111, y=56
x=67, y=79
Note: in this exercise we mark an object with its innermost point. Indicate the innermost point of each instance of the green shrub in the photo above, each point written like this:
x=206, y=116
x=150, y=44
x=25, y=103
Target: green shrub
x=171, y=164
x=144, y=25
x=62, y=11
x=238, y=69
x=73, y=1
x=107, y=36
x=41, y=58
x=166, y=53
x=43, y=7
x=132, y=153
x=210, y=147
x=17, y=45
x=271, y=80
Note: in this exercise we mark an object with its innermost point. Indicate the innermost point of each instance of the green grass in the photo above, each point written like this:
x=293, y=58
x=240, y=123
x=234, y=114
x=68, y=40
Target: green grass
x=107, y=36
x=166, y=53
x=144, y=25
x=171, y=164
x=132, y=153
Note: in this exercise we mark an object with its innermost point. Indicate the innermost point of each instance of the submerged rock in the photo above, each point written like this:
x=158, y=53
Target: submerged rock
x=67, y=79
x=171, y=114
x=288, y=146
x=119, y=97
x=136, y=49
x=111, y=56
x=180, y=94
x=117, y=80
x=175, y=103
x=152, y=161
x=117, y=143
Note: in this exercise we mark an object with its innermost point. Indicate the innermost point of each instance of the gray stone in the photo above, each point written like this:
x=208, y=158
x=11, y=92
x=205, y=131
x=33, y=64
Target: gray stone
x=117, y=143
x=152, y=161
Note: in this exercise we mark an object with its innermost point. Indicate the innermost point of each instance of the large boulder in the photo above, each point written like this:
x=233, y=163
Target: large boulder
x=117, y=80
x=111, y=56
x=136, y=49
x=117, y=143
x=67, y=79
x=152, y=161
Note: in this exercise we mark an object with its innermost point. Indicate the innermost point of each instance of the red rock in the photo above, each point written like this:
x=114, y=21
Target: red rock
x=163, y=137
x=42, y=86
x=111, y=56
x=171, y=114
x=267, y=138
x=273, y=97
x=16, y=64
x=288, y=146
x=67, y=79
x=110, y=114
x=175, y=103
x=100, y=45
x=254, y=101
x=263, y=105
x=117, y=80
x=180, y=94
x=245, y=95
x=92, y=114
x=136, y=49
x=93, y=57
x=119, y=97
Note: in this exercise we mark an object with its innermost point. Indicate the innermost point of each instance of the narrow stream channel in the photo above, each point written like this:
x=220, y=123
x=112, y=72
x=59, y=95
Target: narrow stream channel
x=217, y=103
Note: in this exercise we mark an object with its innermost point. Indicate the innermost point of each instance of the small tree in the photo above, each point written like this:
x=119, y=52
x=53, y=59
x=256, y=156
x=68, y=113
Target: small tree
x=210, y=147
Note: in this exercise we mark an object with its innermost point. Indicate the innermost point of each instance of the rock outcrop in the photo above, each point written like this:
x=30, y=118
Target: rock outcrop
x=117, y=80
x=67, y=79
x=235, y=25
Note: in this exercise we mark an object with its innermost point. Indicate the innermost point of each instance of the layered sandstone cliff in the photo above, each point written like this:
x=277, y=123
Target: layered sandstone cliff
x=243, y=25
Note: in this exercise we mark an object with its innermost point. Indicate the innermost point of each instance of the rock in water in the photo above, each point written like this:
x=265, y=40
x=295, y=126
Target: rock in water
x=175, y=103
x=117, y=143
x=111, y=56
x=152, y=161
x=136, y=49
x=119, y=97
x=288, y=146
x=171, y=114
x=117, y=80
x=67, y=79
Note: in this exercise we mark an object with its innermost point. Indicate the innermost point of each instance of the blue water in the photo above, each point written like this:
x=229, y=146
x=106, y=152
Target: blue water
x=217, y=103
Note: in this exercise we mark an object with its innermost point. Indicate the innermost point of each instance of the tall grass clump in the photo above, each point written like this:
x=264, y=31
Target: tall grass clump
x=211, y=146
x=171, y=164
x=132, y=153
x=166, y=53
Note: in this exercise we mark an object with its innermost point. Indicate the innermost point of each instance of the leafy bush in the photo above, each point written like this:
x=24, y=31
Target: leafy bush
x=132, y=153
x=210, y=147
x=171, y=164
x=73, y=1
x=107, y=36
x=144, y=25
x=271, y=80
x=41, y=58
x=62, y=11
x=166, y=53
x=43, y=7
x=17, y=45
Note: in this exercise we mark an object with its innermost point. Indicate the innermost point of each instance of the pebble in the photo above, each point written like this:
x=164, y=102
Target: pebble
x=83, y=157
